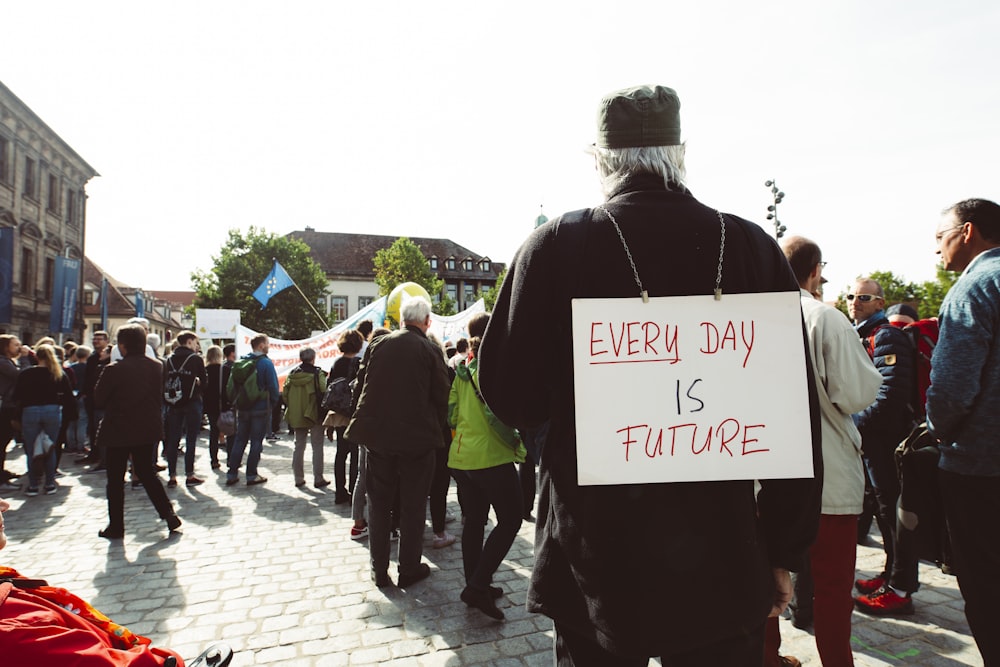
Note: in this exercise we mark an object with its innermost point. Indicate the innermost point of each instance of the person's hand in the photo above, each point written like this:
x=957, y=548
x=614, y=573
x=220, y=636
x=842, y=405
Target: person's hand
x=782, y=591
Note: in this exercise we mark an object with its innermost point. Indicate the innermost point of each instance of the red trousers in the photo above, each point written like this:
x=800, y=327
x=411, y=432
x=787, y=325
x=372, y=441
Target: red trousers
x=832, y=557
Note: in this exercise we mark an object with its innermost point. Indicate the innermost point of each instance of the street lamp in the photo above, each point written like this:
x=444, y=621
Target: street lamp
x=778, y=196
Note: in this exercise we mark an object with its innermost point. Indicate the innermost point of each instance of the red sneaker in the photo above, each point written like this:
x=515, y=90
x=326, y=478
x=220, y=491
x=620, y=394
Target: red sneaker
x=869, y=586
x=884, y=602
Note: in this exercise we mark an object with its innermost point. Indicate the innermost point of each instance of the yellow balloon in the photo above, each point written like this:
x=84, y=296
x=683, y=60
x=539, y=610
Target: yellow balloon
x=395, y=300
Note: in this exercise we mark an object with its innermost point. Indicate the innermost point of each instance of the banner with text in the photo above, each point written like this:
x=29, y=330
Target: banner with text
x=65, y=287
x=690, y=389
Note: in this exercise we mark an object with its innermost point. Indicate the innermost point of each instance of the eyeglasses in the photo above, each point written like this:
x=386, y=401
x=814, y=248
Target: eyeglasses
x=822, y=265
x=863, y=298
x=941, y=236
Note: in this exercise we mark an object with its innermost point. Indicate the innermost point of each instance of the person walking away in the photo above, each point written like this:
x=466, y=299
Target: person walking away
x=10, y=350
x=253, y=388
x=345, y=366
x=184, y=378
x=303, y=393
x=482, y=454
x=213, y=401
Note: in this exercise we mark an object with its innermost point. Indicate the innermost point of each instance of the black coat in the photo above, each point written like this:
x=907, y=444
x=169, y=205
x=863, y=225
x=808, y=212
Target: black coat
x=648, y=569
x=131, y=393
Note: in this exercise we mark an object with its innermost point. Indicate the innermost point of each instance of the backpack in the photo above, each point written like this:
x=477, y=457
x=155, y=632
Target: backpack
x=924, y=336
x=244, y=387
x=339, y=394
x=174, y=392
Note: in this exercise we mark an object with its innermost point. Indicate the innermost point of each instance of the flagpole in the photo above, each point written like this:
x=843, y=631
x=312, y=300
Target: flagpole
x=325, y=325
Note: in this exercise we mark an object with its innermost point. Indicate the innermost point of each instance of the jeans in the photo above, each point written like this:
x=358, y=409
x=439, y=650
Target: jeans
x=186, y=420
x=251, y=426
x=315, y=435
x=76, y=434
x=345, y=448
x=34, y=420
x=497, y=486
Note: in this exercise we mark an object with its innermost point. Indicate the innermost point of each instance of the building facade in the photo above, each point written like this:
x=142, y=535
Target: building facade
x=348, y=261
x=42, y=220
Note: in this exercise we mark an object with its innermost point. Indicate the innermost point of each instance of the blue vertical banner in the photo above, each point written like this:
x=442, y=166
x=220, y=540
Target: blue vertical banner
x=6, y=273
x=140, y=304
x=65, y=287
x=104, y=303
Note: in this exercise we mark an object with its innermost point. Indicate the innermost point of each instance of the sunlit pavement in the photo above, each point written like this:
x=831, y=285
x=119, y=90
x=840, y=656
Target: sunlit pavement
x=271, y=570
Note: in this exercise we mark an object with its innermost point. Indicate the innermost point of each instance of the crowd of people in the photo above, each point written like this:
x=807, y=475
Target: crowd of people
x=421, y=415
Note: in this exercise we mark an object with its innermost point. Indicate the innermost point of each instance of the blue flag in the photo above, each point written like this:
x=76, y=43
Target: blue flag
x=66, y=280
x=276, y=281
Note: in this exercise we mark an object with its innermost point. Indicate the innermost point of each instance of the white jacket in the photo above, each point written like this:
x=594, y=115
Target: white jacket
x=847, y=382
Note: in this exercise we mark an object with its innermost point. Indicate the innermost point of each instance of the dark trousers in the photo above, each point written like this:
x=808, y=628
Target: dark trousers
x=578, y=650
x=972, y=505
x=410, y=475
x=528, y=480
x=439, y=490
x=901, y=566
x=345, y=449
x=214, y=437
x=497, y=486
x=6, y=434
x=142, y=467
x=183, y=420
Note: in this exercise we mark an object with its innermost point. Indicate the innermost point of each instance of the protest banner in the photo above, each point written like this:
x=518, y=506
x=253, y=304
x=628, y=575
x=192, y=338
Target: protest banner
x=690, y=389
x=216, y=322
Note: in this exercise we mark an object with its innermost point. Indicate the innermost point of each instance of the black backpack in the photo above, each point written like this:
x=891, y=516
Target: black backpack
x=340, y=392
x=175, y=393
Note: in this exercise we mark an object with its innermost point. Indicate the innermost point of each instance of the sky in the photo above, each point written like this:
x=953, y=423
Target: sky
x=460, y=120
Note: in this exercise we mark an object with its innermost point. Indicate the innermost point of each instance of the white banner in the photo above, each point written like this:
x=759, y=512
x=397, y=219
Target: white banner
x=453, y=327
x=690, y=389
x=216, y=323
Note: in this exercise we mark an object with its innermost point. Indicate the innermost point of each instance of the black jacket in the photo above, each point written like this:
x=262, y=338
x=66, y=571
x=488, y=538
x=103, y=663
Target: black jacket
x=647, y=569
x=402, y=394
x=131, y=394
x=888, y=420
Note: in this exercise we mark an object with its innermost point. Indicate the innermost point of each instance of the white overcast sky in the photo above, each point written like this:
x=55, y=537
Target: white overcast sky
x=457, y=120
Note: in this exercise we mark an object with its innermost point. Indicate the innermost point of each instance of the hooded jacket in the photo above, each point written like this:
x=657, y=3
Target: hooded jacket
x=476, y=444
x=302, y=394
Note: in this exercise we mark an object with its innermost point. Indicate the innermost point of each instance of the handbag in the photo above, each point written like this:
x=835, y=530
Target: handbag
x=226, y=422
x=42, y=445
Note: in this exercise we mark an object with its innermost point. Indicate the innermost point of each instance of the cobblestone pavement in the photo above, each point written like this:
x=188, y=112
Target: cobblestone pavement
x=271, y=570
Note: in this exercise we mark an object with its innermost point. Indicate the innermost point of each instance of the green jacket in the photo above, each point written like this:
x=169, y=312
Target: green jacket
x=302, y=393
x=480, y=441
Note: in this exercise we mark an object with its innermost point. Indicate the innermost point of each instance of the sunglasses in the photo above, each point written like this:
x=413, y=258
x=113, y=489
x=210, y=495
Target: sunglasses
x=863, y=298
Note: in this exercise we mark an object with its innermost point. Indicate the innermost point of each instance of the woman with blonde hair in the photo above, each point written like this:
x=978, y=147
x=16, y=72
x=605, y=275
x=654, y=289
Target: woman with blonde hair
x=42, y=392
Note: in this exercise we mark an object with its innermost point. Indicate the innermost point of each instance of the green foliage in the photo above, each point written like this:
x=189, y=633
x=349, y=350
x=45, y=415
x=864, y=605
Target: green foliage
x=490, y=295
x=404, y=262
x=926, y=296
x=445, y=306
x=242, y=265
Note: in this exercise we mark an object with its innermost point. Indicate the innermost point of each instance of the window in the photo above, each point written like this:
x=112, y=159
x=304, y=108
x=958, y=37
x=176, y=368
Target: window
x=70, y=207
x=450, y=263
x=433, y=261
x=338, y=306
x=27, y=271
x=90, y=297
x=365, y=301
x=452, y=291
x=4, y=163
x=470, y=296
x=50, y=276
x=467, y=264
x=29, y=177
x=485, y=265
x=323, y=304
x=53, y=203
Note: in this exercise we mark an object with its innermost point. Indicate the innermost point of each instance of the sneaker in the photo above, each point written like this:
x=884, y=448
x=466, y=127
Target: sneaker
x=232, y=481
x=256, y=480
x=359, y=533
x=194, y=481
x=216, y=465
x=97, y=468
x=10, y=486
x=322, y=484
x=445, y=539
x=272, y=436
x=50, y=490
x=884, y=602
x=869, y=586
x=172, y=483
x=32, y=491
x=789, y=661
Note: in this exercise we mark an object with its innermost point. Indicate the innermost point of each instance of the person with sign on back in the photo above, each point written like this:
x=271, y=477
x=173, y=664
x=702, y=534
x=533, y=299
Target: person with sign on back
x=252, y=389
x=687, y=571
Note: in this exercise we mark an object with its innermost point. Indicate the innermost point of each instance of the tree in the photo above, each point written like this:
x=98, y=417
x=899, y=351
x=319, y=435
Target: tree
x=932, y=292
x=242, y=265
x=490, y=295
x=404, y=262
x=927, y=296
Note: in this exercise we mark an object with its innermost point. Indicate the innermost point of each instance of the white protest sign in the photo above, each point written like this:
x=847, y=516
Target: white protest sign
x=690, y=389
x=216, y=323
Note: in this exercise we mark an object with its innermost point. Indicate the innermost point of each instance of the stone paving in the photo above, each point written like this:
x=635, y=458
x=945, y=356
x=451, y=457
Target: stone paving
x=271, y=570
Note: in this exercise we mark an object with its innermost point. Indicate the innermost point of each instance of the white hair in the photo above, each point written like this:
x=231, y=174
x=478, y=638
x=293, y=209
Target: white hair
x=153, y=340
x=415, y=310
x=614, y=165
